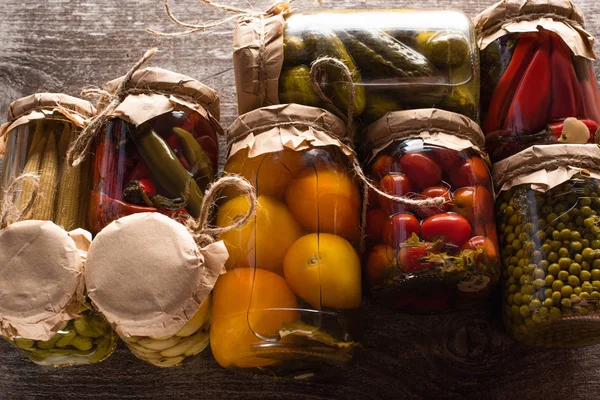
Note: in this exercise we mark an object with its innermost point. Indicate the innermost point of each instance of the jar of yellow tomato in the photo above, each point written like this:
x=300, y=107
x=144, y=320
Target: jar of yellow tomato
x=287, y=305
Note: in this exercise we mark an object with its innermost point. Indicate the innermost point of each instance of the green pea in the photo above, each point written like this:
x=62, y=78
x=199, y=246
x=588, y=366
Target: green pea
x=564, y=262
x=557, y=285
x=514, y=261
x=553, y=257
x=526, y=299
x=556, y=235
x=574, y=269
x=530, y=269
x=547, y=293
x=555, y=314
x=588, y=254
x=595, y=295
x=585, y=275
x=539, y=283
x=596, y=285
x=509, y=299
x=565, y=234
x=548, y=280
x=515, y=311
x=524, y=310
x=551, y=218
x=556, y=297
x=587, y=287
x=517, y=299
x=513, y=220
x=512, y=280
x=563, y=275
x=518, y=230
x=596, y=264
x=566, y=291
x=595, y=274
x=577, y=291
x=578, y=258
x=585, y=201
x=549, y=302
x=586, y=211
x=583, y=311
x=585, y=265
x=535, y=304
x=573, y=280
x=585, y=296
x=509, y=211
x=561, y=226
x=595, y=244
x=510, y=237
x=576, y=246
x=566, y=303
x=503, y=207
x=517, y=272
x=512, y=289
x=554, y=269
x=575, y=236
x=545, y=248
x=508, y=230
x=516, y=244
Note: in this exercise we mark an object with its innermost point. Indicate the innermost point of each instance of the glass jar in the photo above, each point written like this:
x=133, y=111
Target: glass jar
x=39, y=131
x=159, y=160
x=539, y=85
x=287, y=306
x=548, y=209
x=397, y=59
x=429, y=257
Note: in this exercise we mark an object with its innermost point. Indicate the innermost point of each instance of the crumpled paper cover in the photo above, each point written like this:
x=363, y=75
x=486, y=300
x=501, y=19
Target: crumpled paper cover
x=433, y=126
x=167, y=91
x=542, y=180
x=41, y=279
x=147, y=276
x=45, y=105
x=286, y=126
x=511, y=16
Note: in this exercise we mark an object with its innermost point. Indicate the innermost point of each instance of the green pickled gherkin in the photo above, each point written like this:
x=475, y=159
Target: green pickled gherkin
x=295, y=87
x=444, y=48
x=325, y=43
x=378, y=104
x=294, y=51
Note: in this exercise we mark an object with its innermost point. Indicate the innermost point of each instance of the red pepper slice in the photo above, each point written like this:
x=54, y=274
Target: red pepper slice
x=591, y=95
x=566, y=93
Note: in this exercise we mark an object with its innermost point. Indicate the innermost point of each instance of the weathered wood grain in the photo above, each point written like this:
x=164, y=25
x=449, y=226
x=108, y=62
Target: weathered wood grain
x=64, y=45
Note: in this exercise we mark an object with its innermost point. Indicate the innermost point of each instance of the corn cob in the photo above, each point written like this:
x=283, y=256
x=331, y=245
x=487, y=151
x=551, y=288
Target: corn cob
x=38, y=135
x=67, y=203
x=32, y=166
x=43, y=209
x=65, y=139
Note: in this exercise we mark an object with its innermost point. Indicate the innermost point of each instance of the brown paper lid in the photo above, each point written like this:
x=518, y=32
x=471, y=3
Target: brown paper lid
x=517, y=16
x=44, y=105
x=291, y=126
x=41, y=280
x=147, y=276
x=434, y=126
x=545, y=167
x=156, y=91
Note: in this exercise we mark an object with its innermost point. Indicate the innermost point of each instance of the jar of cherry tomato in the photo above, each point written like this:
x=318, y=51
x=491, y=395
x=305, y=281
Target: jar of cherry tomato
x=159, y=150
x=288, y=303
x=539, y=85
x=424, y=257
x=548, y=211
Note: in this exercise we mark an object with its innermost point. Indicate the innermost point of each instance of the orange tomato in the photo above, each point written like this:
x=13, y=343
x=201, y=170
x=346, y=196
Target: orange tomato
x=249, y=305
x=471, y=172
x=384, y=165
x=396, y=185
x=323, y=199
x=399, y=228
x=264, y=240
x=324, y=270
x=489, y=247
x=380, y=258
x=269, y=173
x=475, y=203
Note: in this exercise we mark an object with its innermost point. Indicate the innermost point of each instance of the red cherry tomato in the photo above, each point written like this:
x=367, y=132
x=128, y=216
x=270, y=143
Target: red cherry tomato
x=398, y=228
x=421, y=169
x=489, y=247
x=475, y=203
x=376, y=220
x=471, y=172
x=448, y=159
x=397, y=185
x=411, y=259
x=432, y=192
x=384, y=164
x=451, y=228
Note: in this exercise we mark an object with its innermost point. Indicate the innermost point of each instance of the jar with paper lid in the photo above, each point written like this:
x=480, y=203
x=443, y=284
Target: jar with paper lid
x=539, y=84
x=547, y=210
x=288, y=305
x=39, y=130
x=159, y=149
x=43, y=310
x=431, y=242
x=395, y=59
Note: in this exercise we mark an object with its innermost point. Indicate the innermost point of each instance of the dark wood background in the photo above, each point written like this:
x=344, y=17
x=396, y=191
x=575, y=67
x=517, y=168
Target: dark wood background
x=64, y=45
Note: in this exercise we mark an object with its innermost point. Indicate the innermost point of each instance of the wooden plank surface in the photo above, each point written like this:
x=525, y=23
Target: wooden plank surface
x=64, y=45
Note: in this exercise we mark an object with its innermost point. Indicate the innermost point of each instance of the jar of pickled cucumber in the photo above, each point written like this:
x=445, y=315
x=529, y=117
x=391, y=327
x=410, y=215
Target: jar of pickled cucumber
x=288, y=305
x=156, y=294
x=395, y=59
x=158, y=151
x=539, y=84
x=548, y=209
x=39, y=130
x=43, y=309
x=436, y=246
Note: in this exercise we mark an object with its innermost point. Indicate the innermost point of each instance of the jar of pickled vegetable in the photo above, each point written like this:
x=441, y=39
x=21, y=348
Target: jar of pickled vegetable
x=548, y=209
x=396, y=59
x=157, y=293
x=43, y=310
x=287, y=306
x=39, y=130
x=159, y=150
x=539, y=85
x=424, y=255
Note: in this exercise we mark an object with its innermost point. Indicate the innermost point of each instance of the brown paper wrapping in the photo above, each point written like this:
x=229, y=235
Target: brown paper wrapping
x=45, y=105
x=156, y=91
x=257, y=60
x=292, y=126
x=41, y=280
x=147, y=276
x=435, y=127
x=516, y=16
x=567, y=160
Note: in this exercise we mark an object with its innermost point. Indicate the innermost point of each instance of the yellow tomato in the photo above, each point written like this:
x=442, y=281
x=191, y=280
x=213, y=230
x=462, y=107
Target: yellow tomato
x=249, y=307
x=324, y=270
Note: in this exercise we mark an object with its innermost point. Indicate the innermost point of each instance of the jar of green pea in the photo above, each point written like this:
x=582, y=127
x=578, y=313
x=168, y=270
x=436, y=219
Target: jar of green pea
x=548, y=218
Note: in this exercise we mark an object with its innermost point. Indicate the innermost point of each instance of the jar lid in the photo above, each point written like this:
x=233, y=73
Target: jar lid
x=147, y=276
x=292, y=126
x=41, y=279
x=165, y=82
x=546, y=166
x=459, y=132
x=518, y=16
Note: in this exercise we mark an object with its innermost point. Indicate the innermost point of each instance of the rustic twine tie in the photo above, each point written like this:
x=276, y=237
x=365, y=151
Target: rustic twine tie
x=9, y=211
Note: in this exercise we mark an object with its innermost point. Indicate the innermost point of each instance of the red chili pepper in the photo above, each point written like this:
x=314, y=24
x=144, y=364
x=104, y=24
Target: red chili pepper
x=183, y=161
x=148, y=186
x=591, y=95
x=140, y=171
x=528, y=112
x=503, y=94
x=173, y=142
x=105, y=168
x=566, y=93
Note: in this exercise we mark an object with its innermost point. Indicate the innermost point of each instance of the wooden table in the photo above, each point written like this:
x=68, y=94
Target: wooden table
x=64, y=45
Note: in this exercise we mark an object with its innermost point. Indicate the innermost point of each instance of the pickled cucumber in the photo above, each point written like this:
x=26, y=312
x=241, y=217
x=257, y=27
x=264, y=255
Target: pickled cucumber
x=444, y=48
x=295, y=87
x=294, y=51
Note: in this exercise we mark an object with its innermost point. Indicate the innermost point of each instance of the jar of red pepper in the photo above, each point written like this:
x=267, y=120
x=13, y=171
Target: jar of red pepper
x=433, y=246
x=159, y=150
x=539, y=85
